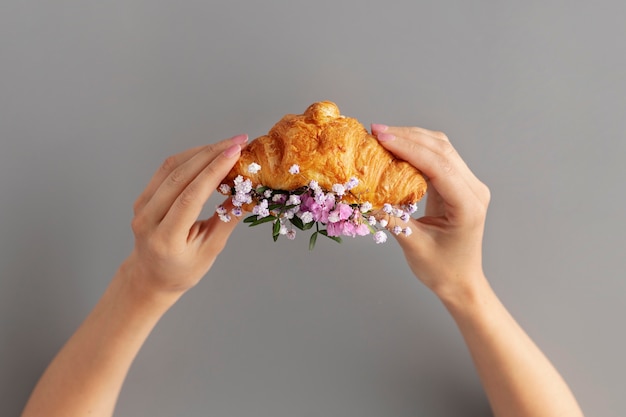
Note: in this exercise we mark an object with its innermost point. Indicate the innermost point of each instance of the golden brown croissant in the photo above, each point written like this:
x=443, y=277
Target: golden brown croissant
x=330, y=149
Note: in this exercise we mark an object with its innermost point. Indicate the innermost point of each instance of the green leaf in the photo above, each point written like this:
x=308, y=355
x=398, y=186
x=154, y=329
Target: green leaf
x=263, y=220
x=335, y=238
x=251, y=219
x=312, y=240
x=297, y=221
x=276, y=230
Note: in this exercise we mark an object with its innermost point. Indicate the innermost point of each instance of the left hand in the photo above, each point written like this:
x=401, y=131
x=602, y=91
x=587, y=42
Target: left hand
x=173, y=248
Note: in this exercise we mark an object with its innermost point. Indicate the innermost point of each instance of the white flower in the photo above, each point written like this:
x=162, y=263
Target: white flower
x=352, y=182
x=261, y=209
x=253, y=168
x=396, y=212
x=405, y=217
x=333, y=217
x=295, y=169
x=305, y=216
x=291, y=234
x=224, y=217
x=384, y=222
x=267, y=193
x=313, y=185
x=371, y=220
x=293, y=200
x=221, y=209
x=224, y=189
x=240, y=199
x=387, y=208
x=412, y=208
x=397, y=230
x=339, y=189
x=365, y=207
x=380, y=237
x=407, y=231
x=237, y=211
x=283, y=229
x=243, y=187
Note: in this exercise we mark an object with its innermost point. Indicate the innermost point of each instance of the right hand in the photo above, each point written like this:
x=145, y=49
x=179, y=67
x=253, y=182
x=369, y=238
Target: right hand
x=445, y=249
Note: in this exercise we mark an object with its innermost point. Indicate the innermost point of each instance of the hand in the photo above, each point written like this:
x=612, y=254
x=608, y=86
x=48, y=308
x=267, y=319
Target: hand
x=173, y=249
x=445, y=250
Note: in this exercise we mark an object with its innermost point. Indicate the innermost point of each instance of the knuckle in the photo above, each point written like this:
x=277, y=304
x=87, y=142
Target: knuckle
x=445, y=166
x=138, y=225
x=169, y=164
x=177, y=177
x=188, y=196
x=211, y=149
x=211, y=171
x=446, y=148
x=137, y=205
x=440, y=135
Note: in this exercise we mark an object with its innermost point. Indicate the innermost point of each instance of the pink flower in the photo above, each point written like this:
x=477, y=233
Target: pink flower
x=362, y=230
x=335, y=229
x=349, y=229
x=320, y=207
x=345, y=211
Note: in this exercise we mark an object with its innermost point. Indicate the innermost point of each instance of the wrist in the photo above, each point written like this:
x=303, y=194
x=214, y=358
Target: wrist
x=468, y=294
x=135, y=285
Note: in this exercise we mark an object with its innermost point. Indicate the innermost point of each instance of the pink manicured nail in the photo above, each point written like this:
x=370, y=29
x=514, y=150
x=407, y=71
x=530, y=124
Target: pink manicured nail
x=239, y=139
x=377, y=128
x=385, y=137
x=232, y=151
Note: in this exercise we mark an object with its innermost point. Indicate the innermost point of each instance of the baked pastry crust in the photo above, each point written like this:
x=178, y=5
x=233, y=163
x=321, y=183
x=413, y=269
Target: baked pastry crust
x=330, y=149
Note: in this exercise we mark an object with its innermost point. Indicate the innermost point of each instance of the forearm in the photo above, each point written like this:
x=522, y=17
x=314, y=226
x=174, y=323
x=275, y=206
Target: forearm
x=518, y=379
x=86, y=376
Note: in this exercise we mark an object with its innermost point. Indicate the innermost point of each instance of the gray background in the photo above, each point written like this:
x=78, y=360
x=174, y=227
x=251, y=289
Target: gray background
x=94, y=95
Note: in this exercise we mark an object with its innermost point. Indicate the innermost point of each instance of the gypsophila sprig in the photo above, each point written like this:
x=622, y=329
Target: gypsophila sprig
x=311, y=207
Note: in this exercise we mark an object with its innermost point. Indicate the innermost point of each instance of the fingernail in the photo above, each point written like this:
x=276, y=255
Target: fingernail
x=232, y=151
x=378, y=127
x=385, y=137
x=240, y=139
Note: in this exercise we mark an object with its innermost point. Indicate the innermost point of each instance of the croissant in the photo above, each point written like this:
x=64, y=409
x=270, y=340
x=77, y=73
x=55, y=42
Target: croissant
x=330, y=149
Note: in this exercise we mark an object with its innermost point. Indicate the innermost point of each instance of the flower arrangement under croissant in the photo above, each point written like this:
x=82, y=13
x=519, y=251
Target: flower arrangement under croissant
x=322, y=170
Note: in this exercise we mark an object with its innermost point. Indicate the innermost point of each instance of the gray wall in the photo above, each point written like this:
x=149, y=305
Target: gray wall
x=94, y=94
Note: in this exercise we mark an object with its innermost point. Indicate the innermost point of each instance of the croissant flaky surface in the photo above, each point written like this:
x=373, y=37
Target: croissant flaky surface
x=330, y=149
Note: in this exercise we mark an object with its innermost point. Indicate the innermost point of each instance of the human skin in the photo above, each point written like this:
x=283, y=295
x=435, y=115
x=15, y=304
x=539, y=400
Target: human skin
x=174, y=250
x=445, y=253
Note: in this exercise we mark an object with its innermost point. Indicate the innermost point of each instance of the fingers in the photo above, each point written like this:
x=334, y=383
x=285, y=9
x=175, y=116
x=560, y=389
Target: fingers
x=171, y=163
x=431, y=153
x=454, y=184
x=217, y=229
x=181, y=176
x=183, y=212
